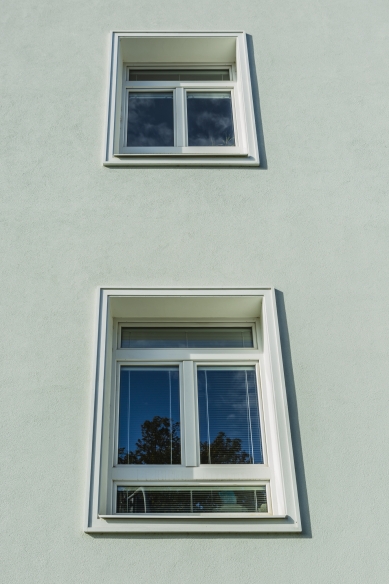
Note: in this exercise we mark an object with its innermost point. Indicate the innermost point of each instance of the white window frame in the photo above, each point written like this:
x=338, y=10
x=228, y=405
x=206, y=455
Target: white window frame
x=255, y=308
x=245, y=150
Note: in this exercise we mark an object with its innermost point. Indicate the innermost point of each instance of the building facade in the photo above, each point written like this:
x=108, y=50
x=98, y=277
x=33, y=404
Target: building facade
x=310, y=222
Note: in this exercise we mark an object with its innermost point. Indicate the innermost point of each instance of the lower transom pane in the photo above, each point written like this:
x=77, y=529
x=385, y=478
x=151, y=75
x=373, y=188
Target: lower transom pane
x=152, y=500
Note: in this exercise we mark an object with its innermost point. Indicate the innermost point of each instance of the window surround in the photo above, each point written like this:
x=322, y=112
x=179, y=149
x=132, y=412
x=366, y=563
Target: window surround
x=158, y=50
x=184, y=306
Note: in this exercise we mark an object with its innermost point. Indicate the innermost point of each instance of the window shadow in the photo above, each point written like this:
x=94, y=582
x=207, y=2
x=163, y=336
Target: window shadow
x=257, y=104
x=293, y=416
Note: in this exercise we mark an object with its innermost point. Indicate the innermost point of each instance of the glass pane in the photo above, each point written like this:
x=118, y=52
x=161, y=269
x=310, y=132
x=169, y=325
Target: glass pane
x=150, y=119
x=229, y=416
x=149, y=416
x=179, y=75
x=158, y=338
x=210, y=121
x=191, y=500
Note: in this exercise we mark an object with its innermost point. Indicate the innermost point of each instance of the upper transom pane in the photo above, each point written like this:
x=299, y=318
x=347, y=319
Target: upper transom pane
x=181, y=337
x=179, y=75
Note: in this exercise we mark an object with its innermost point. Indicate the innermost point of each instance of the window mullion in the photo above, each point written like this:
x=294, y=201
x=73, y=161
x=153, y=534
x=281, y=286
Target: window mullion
x=189, y=414
x=180, y=117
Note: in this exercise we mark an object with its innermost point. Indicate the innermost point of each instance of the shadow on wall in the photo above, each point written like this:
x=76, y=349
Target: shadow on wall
x=294, y=419
x=297, y=452
x=257, y=104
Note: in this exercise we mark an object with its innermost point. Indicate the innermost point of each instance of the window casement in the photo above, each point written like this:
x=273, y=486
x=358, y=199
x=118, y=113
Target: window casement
x=190, y=427
x=180, y=99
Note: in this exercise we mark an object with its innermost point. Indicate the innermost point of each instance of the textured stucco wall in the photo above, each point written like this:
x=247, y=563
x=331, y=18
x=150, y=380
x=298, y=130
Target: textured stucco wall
x=313, y=223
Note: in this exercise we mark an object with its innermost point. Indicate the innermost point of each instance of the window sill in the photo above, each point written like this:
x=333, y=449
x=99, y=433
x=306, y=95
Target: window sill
x=198, y=524
x=184, y=151
x=181, y=160
x=192, y=516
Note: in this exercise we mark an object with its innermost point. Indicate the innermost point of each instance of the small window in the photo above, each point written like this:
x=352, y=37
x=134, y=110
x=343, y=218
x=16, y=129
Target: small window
x=181, y=99
x=190, y=425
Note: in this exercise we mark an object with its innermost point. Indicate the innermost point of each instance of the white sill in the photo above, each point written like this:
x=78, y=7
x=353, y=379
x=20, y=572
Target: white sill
x=184, y=151
x=180, y=160
x=154, y=524
x=205, y=516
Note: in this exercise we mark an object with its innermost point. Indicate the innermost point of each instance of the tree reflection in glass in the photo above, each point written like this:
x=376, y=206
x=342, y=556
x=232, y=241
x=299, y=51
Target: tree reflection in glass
x=210, y=119
x=150, y=119
x=229, y=416
x=149, y=416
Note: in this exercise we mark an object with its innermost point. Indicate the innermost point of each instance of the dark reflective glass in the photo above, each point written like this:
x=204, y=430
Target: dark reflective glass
x=210, y=120
x=191, y=500
x=179, y=75
x=150, y=119
x=229, y=416
x=180, y=337
x=149, y=416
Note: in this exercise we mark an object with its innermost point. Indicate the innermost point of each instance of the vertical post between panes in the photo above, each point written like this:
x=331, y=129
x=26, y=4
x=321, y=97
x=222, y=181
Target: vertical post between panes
x=189, y=409
x=180, y=117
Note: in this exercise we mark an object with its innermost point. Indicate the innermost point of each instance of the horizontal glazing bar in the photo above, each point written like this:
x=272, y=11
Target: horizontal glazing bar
x=209, y=95
x=162, y=500
x=179, y=75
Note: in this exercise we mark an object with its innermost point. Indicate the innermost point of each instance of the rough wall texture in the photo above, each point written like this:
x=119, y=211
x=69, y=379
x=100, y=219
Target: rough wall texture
x=312, y=222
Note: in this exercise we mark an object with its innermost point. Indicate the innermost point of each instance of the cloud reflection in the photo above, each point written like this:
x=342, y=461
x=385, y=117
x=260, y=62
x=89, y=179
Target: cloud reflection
x=150, y=119
x=210, y=121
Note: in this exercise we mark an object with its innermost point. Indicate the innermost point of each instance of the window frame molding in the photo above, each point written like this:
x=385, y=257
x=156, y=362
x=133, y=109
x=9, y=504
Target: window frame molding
x=285, y=515
x=244, y=153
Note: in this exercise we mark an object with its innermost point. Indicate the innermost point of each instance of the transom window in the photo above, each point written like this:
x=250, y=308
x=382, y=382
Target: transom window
x=179, y=74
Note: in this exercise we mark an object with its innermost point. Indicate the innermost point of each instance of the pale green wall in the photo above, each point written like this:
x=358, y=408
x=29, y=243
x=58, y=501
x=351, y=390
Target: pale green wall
x=314, y=224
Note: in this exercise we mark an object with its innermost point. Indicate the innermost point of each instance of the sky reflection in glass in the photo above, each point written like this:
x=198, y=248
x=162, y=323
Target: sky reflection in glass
x=210, y=120
x=149, y=416
x=150, y=119
x=229, y=416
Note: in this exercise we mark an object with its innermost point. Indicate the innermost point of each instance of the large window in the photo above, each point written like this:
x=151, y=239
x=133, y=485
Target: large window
x=190, y=425
x=180, y=99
